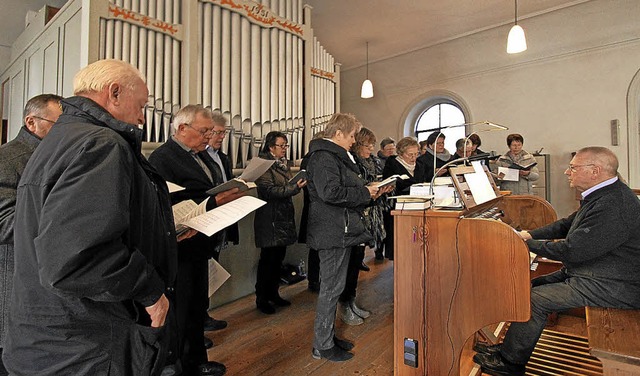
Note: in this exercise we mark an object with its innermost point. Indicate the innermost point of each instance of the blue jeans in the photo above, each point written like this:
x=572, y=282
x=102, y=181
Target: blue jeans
x=551, y=293
x=333, y=274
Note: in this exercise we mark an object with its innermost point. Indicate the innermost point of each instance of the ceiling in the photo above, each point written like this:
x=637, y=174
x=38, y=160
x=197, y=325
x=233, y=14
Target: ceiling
x=392, y=27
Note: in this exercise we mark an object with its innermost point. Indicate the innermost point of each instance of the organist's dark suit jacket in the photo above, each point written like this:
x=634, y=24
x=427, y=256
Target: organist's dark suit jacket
x=178, y=166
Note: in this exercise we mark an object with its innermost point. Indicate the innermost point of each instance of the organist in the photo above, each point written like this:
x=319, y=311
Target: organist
x=600, y=248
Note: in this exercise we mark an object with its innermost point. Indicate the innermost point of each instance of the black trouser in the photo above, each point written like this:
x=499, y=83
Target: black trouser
x=268, y=278
x=353, y=271
x=191, y=293
x=313, y=265
x=388, y=241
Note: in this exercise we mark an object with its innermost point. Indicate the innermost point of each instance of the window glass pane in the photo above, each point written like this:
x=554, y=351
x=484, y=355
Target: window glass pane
x=442, y=115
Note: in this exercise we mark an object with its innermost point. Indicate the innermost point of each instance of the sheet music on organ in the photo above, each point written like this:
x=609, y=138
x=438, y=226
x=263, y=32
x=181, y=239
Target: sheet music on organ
x=474, y=184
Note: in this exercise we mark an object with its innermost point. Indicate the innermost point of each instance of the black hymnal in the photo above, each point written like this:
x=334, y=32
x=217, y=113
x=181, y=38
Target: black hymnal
x=301, y=175
x=525, y=168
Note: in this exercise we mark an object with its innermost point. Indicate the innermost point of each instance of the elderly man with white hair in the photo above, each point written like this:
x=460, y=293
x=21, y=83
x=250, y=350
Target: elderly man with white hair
x=599, y=246
x=184, y=161
x=95, y=244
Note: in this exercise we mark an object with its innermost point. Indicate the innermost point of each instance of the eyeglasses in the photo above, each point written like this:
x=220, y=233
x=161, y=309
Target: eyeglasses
x=574, y=168
x=284, y=146
x=203, y=132
x=411, y=155
x=218, y=133
x=41, y=118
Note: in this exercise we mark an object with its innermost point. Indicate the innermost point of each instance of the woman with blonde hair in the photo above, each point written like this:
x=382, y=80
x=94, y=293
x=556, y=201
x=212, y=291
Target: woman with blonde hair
x=338, y=197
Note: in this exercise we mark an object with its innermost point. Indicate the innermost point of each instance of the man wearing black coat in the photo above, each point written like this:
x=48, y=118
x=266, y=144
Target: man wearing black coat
x=183, y=161
x=95, y=245
x=599, y=246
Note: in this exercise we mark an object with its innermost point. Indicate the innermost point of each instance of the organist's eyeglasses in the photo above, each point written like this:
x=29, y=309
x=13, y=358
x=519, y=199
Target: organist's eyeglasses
x=574, y=168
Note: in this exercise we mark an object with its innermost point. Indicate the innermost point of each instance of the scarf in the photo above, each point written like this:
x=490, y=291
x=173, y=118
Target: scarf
x=410, y=168
x=444, y=156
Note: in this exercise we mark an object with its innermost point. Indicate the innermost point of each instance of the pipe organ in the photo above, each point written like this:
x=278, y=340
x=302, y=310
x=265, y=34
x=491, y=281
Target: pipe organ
x=251, y=70
x=147, y=34
x=256, y=62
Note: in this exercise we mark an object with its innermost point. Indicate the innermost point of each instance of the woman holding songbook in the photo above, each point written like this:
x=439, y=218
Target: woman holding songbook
x=274, y=223
x=403, y=164
x=370, y=169
x=516, y=168
x=338, y=197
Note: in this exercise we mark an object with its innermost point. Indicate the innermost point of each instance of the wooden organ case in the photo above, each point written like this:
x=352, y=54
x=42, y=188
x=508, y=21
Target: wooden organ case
x=455, y=272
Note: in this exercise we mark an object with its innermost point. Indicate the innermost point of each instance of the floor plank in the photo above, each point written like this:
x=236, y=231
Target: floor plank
x=280, y=344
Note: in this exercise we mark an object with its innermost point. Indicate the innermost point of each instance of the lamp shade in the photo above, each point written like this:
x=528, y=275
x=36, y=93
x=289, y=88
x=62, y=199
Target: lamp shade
x=367, y=89
x=516, y=41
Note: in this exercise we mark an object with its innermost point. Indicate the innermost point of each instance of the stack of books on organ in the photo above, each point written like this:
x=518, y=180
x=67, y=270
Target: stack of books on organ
x=413, y=202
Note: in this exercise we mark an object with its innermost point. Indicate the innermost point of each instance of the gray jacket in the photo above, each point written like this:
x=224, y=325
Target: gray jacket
x=14, y=156
x=524, y=186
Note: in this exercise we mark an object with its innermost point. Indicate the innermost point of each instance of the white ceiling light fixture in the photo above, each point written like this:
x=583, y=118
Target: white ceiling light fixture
x=367, y=86
x=516, y=41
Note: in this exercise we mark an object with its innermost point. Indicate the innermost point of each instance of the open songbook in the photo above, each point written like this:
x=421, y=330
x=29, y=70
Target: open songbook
x=391, y=180
x=516, y=166
x=187, y=214
x=256, y=167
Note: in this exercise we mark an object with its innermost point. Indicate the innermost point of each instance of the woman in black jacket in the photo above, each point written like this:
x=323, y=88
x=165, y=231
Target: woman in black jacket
x=402, y=164
x=370, y=170
x=338, y=196
x=425, y=166
x=274, y=223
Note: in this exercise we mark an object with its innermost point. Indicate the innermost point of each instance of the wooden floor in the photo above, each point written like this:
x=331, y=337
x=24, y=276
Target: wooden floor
x=280, y=344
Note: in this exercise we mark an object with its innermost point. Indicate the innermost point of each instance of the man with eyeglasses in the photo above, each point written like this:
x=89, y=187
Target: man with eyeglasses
x=222, y=165
x=599, y=246
x=183, y=160
x=40, y=113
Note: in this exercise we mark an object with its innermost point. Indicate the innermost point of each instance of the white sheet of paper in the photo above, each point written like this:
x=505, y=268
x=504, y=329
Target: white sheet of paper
x=480, y=187
x=174, y=187
x=188, y=209
x=477, y=167
x=510, y=174
x=256, y=167
x=217, y=276
x=225, y=215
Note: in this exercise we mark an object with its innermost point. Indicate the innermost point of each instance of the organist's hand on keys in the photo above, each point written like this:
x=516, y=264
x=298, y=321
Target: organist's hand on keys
x=525, y=235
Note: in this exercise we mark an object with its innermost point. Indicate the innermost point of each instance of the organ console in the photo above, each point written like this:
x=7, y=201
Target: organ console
x=457, y=271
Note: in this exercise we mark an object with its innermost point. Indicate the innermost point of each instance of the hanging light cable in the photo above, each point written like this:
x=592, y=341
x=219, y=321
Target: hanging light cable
x=516, y=41
x=367, y=86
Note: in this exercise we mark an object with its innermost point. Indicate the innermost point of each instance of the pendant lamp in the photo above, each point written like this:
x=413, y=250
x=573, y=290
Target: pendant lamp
x=516, y=41
x=367, y=86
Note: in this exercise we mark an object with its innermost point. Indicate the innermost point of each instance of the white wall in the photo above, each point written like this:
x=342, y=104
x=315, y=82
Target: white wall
x=560, y=94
